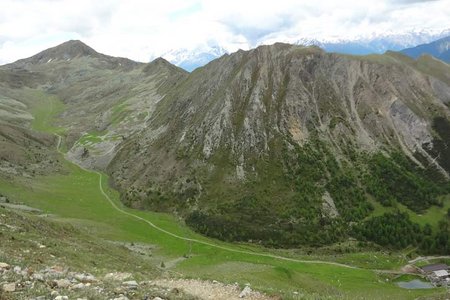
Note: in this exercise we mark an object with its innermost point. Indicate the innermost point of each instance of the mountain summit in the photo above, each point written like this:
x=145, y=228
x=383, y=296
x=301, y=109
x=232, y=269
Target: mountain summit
x=65, y=51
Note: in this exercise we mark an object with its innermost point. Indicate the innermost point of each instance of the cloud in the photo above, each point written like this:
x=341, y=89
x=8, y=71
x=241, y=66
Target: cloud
x=141, y=29
x=410, y=1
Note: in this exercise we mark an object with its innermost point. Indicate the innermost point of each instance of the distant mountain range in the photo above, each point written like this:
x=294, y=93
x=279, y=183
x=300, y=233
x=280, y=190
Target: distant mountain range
x=190, y=59
x=440, y=49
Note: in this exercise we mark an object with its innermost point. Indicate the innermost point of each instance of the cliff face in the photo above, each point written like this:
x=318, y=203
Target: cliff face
x=241, y=104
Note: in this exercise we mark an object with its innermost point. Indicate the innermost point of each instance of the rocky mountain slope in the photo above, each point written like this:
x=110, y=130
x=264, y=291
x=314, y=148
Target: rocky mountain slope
x=100, y=97
x=23, y=151
x=440, y=49
x=271, y=140
x=284, y=145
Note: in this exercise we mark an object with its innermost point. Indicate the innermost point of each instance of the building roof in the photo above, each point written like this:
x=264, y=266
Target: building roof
x=434, y=267
x=441, y=273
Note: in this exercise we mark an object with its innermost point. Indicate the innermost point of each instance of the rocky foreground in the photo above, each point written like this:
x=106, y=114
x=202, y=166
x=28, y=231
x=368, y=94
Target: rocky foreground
x=58, y=283
x=42, y=258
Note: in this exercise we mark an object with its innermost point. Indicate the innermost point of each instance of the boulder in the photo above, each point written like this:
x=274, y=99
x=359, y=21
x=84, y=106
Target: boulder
x=62, y=298
x=54, y=272
x=4, y=266
x=62, y=283
x=117, y=276
x=9, y=287
x=130, y=284
x=78, y=286
x=38, y=277
x=245, y=292
x=85, y=278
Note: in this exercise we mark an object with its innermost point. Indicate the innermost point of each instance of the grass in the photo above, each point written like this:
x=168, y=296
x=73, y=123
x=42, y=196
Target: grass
x=90, y=138
x=119, y=112
x=406, y=277
x=432, y=215
x=207, y=262
x=44, y=109
x=64, y=244
x=74, y=196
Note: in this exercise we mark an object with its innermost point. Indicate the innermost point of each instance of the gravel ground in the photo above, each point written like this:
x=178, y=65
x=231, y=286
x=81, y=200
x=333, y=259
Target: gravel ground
x=212, y=290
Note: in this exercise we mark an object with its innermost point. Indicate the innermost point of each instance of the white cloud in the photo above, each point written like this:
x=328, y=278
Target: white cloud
x=141, y=29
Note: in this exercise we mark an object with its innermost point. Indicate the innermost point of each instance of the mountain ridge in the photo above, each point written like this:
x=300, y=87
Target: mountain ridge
x=439, y=49
x=191, y=59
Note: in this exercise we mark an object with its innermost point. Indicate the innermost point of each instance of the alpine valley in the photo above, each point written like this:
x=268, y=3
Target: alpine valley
x=305, y=174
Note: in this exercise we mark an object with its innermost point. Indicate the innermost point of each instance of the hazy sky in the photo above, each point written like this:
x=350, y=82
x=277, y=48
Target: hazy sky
x=142, y=29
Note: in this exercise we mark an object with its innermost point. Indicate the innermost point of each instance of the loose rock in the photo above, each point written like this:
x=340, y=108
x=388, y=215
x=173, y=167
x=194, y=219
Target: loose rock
x=4, y=266
x=78, y=286
x=121, y=298
x=130, y=284
x=54, y=293
x=38, y=277
x=62, y=283
x=9, y=287
x=117, y=276
x=245, y=292
x=85, y=278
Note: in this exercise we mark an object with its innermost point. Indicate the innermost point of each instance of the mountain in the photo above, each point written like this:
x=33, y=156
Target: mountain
x=66, y=51
x=69, y=50
x=93, y=92
x=190, y=59
x=282, y=145
x=440, y=49
x=376, y=43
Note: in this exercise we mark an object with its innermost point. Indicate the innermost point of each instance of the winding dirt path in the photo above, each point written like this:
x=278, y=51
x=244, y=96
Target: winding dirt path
x=422, y=258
